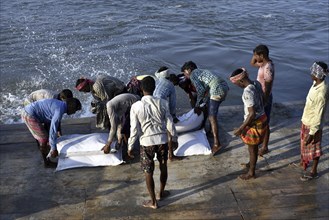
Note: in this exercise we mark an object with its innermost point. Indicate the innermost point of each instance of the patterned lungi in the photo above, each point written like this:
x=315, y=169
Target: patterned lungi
x=312, y=150
x=254, y=134
x=36, y=128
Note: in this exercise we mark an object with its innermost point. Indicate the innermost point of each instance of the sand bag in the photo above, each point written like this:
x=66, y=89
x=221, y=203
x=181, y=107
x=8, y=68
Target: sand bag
x=84, y=150
x=189, y=122
x=193, y=143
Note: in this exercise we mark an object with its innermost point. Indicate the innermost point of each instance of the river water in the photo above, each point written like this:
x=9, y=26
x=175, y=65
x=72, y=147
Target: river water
x=49, y=44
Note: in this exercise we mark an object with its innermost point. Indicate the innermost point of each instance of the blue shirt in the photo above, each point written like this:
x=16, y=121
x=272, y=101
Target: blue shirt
x=48, y=111
x=165, y=89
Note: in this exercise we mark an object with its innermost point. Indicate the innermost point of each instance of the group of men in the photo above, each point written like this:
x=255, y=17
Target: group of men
x=145, y=108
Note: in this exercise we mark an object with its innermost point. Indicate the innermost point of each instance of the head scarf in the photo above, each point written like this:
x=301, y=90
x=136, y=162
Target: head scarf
x=83, y=84
x=163, y=74
x=318, y=71
x=236, y=78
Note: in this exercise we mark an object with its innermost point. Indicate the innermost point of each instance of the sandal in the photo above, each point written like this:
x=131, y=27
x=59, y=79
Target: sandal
x=308, y=177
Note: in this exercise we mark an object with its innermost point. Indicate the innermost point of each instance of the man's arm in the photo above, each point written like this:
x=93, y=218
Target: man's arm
x=169, y=122
x=319, y=108
x=249, y=119
x=55, y=122
x=200, y=90
x=268, y=89
x=253, y=61
x=134, y=124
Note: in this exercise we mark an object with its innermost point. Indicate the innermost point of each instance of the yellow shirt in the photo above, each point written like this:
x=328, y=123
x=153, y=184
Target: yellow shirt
x=315, y=107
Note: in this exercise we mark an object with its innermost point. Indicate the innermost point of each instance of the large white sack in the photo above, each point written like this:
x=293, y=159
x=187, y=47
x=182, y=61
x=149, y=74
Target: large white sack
x=189, y=122
x=84, y=150
x=193, y=143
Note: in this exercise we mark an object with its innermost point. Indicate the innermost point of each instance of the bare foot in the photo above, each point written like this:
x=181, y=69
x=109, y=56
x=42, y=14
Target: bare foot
x=247, y=176
x=297, y=165
x=175, y=158
x=164, y=194
x=262, y=152
x=246, y=165
x=149, y=204
x=215, y=149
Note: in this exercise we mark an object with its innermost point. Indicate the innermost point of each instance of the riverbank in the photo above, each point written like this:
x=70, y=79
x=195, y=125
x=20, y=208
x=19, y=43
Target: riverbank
x=202, y=187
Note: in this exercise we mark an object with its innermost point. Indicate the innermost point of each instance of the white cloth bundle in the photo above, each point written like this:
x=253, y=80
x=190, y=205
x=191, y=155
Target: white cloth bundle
x=84, y=150
x=189, y=122
x=193, y=143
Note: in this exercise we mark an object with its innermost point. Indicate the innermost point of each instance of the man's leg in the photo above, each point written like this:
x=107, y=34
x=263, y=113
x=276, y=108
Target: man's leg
x=214, y=128
x=162, y=156
x=264, y=149
x=212, y=116
x=163, y=178
x=315, y=166
x=267, y=108
x=150, y=187
x=171, y=149
x=253, y=155
x=147, y=165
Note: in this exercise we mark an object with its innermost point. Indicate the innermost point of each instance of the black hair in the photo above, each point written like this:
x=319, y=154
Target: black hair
x=163, y=68
x=237, y=72
x=323, y=65
x=174, y=79
x=65, y=94
x=73, y=104
x=148, y=84
x=189, y=65
x=79, y=81
x=262, y=50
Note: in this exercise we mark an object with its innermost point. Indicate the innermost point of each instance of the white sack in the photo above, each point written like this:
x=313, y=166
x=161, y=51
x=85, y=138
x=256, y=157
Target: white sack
x=193, y=143
x=189, y=122
x=84, y=150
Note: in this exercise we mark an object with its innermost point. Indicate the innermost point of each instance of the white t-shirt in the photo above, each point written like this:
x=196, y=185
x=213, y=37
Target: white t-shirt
x=253, y=96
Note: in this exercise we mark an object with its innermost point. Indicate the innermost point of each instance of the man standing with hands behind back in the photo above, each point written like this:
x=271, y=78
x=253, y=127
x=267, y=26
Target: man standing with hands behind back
x=152, y=117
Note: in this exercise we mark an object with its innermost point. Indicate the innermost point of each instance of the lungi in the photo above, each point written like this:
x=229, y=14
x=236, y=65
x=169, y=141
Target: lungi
x=254, y=134
x=312, y=150
x=36, y=128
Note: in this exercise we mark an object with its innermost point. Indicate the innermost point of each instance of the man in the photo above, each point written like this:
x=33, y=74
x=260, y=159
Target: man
x=185, y=84
x=265, y=76
x=151, y=116
x=48, y=94
x=252, y=130
x=313, y=120
x=208, y=85
x=48, y=111
x=134, y=85
x=165, y=89
x=103, y=90
x=118, y=110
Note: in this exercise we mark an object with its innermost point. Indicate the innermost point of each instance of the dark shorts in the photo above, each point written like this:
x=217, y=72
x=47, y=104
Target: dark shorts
x=147, y=154
x=268, y=108
x=213, y=107
x=126, y=126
